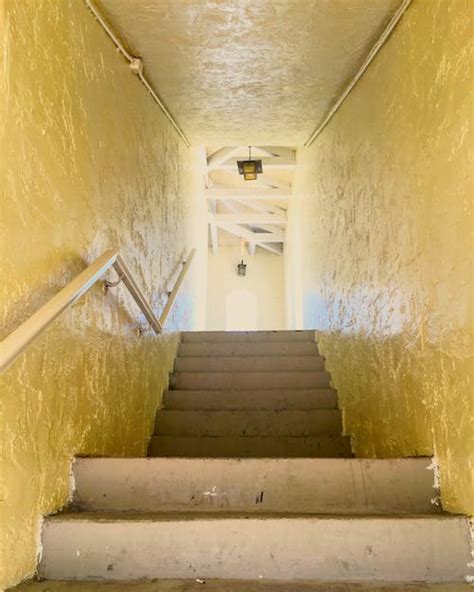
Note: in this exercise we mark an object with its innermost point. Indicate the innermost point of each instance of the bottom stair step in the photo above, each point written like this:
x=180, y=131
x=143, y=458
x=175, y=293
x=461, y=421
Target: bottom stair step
x=196, y=585
x=251, y=447
x=275, y=546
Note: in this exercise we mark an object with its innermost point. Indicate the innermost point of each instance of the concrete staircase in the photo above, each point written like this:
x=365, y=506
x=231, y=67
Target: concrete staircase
x=250, y=478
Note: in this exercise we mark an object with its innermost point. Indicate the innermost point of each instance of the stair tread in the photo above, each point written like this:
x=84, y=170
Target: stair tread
x=251, y=446
x=247, y=349
x=261, y=380
x=183, y=516
x=246, y=412
x=316, y=485
x=218, y=585
x=297, y=335
x=123, y=546
x=251, y=372
x=248, y=422
x=260, y=437
x=422, y=460
x=309, y=391
x=264, y=356
x=250, y=399
x=262, y=363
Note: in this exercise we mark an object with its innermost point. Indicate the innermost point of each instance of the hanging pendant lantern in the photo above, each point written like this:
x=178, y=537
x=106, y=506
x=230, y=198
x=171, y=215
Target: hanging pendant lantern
x=250, y=168
x=241, y=268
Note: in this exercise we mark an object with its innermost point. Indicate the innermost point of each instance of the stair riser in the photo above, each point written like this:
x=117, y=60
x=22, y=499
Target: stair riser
x=249, y=380
x=246, y=336
x=256, y=349
x=251, y=399
x=236, y=447
x=249, y=364
x=349, y=549
x=347, y=486
x=248, y=423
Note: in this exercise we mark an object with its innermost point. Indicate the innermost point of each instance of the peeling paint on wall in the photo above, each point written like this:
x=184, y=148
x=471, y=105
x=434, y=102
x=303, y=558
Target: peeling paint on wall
x=383, y=270
x=88, y=162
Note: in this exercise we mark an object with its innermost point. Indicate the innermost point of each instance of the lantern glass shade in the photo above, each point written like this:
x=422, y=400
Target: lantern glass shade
x=250, y=168
x=241, y=268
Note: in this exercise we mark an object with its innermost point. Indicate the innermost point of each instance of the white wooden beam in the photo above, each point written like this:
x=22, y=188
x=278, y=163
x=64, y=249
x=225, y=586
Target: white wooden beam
x=216, y=160
x=263, y=207
x=272, y=234
x=264, y=151
x=282, y=151
x=247, y=218
x=264, y=179
x=250, y=235
x=251, y=247
x=275, y=248
x=213, y=229
x=243, y=193
x=232, y=205
x=203, y=159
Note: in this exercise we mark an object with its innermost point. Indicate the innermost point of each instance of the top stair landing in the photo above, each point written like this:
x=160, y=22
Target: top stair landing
x=273, y=344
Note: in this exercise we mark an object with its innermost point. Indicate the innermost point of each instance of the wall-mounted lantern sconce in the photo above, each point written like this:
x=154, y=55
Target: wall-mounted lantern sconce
x=241, y=268
x=250, y=168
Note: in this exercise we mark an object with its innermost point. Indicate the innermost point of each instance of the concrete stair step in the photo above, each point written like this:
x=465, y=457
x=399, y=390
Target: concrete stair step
x=245, y=336
x=248, y=364
x=248, y=380
x=342, y=486
x=271, y=399
x=214, y=585
x=310, y=422
x=272, y=546
x=248, y=349
x=251, y=447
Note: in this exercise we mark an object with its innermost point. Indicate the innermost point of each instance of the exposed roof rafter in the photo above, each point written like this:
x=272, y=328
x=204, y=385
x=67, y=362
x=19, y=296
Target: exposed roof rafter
x=247, y=210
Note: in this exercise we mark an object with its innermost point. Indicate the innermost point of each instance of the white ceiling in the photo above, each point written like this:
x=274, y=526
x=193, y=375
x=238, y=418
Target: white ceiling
x=263, y=72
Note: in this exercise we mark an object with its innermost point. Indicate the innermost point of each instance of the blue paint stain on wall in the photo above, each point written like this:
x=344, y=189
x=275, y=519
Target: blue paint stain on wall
x=315, y=313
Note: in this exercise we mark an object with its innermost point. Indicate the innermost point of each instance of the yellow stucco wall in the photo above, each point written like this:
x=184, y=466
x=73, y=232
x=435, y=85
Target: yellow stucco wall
x=88, y=162
x=384, y=267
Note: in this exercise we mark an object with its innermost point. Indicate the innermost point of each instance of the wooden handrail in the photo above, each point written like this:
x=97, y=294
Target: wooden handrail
x=15, y=343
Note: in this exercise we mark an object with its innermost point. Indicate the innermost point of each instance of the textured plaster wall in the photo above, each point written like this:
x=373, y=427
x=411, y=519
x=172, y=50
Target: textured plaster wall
x=88, y=162
x=379, y=252
x=264, y=280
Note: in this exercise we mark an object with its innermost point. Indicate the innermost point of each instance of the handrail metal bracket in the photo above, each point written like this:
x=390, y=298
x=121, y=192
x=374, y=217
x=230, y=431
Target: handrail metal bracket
x=108, y=284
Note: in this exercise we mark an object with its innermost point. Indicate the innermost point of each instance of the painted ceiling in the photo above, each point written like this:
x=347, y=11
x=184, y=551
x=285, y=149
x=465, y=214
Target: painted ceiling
x=249, y=71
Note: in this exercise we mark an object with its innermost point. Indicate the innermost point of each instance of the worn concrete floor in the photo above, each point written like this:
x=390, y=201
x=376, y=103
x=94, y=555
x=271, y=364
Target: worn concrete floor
x=231, y=586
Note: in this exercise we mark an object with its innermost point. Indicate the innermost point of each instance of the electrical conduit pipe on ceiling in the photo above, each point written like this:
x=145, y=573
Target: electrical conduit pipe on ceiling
x=136, y=65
